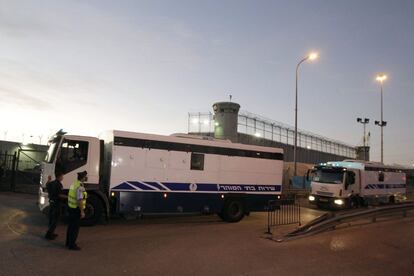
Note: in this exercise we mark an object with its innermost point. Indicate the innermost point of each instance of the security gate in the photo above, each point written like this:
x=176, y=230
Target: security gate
x=8, y=164
x=20, y=172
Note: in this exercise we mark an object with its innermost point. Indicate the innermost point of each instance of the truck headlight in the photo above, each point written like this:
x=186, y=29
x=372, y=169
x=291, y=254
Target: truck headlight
x=338, y=201
x=42, y=200
x=311, y=198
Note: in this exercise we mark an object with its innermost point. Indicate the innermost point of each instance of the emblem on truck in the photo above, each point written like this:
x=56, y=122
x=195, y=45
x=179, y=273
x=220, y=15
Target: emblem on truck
x=193, y=187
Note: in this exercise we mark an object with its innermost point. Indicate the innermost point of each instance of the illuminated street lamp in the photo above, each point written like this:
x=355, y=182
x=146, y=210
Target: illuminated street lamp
x=364, y=122
x=381, y=78
x=311, y=56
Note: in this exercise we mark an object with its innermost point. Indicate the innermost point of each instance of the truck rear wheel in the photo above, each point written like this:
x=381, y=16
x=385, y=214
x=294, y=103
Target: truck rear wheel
x=233, y=210
x=93, y=211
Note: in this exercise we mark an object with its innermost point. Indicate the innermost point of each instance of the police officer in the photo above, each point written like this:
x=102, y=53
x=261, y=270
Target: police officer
x=54, y=190
x=76, y=203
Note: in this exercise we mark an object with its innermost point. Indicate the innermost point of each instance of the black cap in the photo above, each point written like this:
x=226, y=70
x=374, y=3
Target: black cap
x=82, y=174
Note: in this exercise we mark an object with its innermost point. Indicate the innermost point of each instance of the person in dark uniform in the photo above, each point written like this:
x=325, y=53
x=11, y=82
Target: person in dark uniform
x=76, y=206
x=54, y=189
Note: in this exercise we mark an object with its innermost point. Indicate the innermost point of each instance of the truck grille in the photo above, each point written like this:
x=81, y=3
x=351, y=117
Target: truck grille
x=324, y=193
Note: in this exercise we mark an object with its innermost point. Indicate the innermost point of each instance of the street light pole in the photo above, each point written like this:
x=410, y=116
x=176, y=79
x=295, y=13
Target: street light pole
x=381, y=78
x=311, y=56
x=382, y=126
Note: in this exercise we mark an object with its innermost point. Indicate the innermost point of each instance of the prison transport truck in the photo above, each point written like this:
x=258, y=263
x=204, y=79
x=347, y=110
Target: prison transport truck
x=135, y=173
x=351, y=183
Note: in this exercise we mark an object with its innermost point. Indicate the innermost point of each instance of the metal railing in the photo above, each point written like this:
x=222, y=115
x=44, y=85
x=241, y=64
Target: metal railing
x=329, y=221
x=282, y=212
x=258, y=126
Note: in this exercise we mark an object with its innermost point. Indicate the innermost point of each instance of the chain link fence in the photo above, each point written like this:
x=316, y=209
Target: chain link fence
x=258, y=126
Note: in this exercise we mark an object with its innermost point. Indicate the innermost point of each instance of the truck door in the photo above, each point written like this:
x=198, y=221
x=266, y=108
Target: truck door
x=72, y=158
x=353, y=182
x=48, y=166
x=357, y=185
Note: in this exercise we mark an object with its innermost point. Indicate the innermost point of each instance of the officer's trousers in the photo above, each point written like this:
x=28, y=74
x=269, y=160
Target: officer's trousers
x=73, y=227
x=54, y=213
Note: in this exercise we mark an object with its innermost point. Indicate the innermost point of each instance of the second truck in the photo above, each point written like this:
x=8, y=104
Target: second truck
x=351, y=183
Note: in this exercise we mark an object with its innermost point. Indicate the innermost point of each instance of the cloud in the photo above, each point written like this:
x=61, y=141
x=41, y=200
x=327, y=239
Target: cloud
x=18, y=22
x=49, y=87
x=14, y=97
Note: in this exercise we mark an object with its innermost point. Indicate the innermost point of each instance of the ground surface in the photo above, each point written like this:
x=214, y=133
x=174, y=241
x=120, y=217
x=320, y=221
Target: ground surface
x=198, y=245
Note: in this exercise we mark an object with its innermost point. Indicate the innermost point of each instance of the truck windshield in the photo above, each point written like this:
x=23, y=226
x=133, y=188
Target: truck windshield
x=328, y=176
x=53, y=148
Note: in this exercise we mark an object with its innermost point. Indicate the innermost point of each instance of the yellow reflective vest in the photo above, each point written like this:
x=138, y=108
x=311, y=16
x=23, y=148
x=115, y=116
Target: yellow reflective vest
x=72, y=195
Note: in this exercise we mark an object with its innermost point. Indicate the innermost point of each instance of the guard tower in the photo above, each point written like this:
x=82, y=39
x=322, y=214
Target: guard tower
x=226, y=120
x=363, y=153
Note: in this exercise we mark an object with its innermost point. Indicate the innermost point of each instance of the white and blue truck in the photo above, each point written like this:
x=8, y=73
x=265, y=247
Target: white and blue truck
x=151, y=174
x=350, y=183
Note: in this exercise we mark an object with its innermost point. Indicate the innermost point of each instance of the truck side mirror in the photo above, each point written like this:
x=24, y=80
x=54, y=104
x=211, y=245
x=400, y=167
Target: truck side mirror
x=381, y=177
x=350, y=179
x=309, y=173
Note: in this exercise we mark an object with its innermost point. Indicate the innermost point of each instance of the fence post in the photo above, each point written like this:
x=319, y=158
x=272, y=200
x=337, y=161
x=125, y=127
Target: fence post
x=13, y=175
x=269, y=209
x=3, y=168
x=18, y=159
x=5, y=160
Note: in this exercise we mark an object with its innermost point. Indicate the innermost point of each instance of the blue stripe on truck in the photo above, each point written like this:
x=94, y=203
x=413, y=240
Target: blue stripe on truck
x=199, y=187
x=124, y=186
x=177, y=186
x=156, y=185
x=141, y=186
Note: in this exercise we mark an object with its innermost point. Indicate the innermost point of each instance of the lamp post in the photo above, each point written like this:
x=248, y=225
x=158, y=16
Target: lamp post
x=311, y=56
x=364, y=122
x=381, y=78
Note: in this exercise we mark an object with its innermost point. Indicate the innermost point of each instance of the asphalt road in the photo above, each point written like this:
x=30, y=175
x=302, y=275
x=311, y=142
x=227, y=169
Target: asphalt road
x=198, y=245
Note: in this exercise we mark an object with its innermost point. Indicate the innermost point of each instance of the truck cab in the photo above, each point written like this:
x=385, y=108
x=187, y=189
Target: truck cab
x=334, y=185
x=71, y=154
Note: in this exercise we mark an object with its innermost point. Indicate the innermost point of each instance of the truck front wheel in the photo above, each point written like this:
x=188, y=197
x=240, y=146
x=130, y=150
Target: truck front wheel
x=361, y=202
x=93, y=211
x=233, y=210
x=352, y=202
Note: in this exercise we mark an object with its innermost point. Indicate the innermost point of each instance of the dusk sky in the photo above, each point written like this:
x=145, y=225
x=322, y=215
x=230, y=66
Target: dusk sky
x=89, y=66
